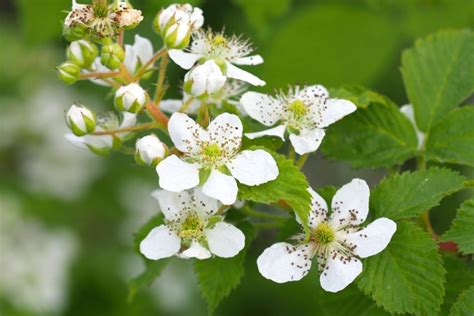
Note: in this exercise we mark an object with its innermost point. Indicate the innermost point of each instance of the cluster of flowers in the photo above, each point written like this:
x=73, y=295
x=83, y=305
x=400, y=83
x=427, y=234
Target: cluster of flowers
x=198, y=176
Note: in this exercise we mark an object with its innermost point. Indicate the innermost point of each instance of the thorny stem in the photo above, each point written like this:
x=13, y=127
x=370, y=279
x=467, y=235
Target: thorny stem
x=156, y=113
x=128, y=129
x=145, y=67
x=159, y=91
x=126, y=74
x=99, y=75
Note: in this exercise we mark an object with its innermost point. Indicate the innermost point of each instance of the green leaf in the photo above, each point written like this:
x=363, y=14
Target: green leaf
x=437, y=74
x=376, y=136
x=259, y=13
x=358, y=95
x=410, y=193
x=465, y=304
x=408, y=276
x=452, y=139
x=460, y=275
x=290, y=186
x=217, y=277
x=462, y=228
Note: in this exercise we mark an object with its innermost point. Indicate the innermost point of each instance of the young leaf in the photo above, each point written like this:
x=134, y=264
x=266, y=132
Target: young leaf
x=217, y=277
x=465, y=304
x=377, y=136
x=408, y=276
x=459, y=276
x=437, y=74
x=410, y=193
x=462, y=228
x=452, y=139
x=290, y=186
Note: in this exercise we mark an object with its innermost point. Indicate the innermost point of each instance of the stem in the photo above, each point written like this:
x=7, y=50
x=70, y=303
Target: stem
x=425, y=216
x=145, y=67
x=126, y=74
x=251, y=212
x=186, y=105
x=99, y=75
x=469, y=183
x=291, y=153
x=267, y=225
x=120, y=38
x=421, y=162
x=128, y=129
x=301, y=161
x=156, y=113
x=159, y=91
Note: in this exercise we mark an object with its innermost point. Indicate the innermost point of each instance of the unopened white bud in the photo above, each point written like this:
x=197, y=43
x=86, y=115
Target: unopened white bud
x=130, y=98
x=80, y=120
x=204, y=78
x=82, y=53
x=149, y=150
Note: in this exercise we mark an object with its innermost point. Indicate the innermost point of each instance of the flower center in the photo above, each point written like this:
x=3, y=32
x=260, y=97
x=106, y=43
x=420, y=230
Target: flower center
x=324, y=234
x=298, y=108
x=191, y=228
x=219, y=40
x=100, y=8
x=212, y=152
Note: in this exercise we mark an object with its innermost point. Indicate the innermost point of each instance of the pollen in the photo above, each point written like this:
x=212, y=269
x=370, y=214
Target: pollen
x=191, y=228
x=324, y=234
x=298, y=108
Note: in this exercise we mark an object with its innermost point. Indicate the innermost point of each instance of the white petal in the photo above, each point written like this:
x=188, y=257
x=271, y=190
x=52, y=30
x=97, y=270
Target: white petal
x=319, y=210
x=131, y=59
x=221, y=187
x=335, y=109
x=262, y=107
x=307, y=141
x=177, y=175
x=76, y=140
x=226, y=131
x=143, y=49
x=253, y=167
x=172, y=203
x=278, y=131
x=196, y=250
x=185, y=133
x=128, y=120
x=170, y=105
x=372, y=239
x=249, y=60
x=183, y=59
x=408, y=111
x=161, y=242
x=313, y=93
x=283, y=262
x=350, y=204
x=205, y=205
x=225, y=240
x=339, y=273
x=237, y=73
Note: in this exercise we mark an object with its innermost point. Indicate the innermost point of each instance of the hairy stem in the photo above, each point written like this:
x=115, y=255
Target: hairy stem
x=145, y=67
x=184, y=107
x=99, y=75
x=135, y=128
x=160, y=91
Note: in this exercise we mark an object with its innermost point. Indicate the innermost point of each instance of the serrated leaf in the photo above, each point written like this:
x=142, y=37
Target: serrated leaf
x=290, y=186
x=437, y=74
x=217, y=277
x=358, y=95
x=465, y=304
x=462, y=228
x=408, y=276
x=452, y=139
x=377, y=136
x=410, y=193
x=459, y=276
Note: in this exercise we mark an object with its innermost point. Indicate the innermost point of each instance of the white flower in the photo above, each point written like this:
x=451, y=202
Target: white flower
x=176, y=22
x=408, y=111
x=130, y=98
x=336, y=241
x=150, y=149
x=303, y=113
x=213, y=153
x=80, y=120
x=205, y=78
x=126, y=16
x=225, y=51
x=192, y=229
x=102, y=144
x=231, y=90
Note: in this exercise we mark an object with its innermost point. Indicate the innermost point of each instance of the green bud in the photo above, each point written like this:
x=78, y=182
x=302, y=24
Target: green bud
x=112, y=56
x=82, y=53
x=80, y=120
x=74, y=33
x=68, y=72
x=175, y=39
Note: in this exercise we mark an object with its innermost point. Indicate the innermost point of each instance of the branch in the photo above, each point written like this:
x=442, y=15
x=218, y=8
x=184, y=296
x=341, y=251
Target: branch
x=128, y=129
x=145, y=67
x=159, y=92
x=99, y=75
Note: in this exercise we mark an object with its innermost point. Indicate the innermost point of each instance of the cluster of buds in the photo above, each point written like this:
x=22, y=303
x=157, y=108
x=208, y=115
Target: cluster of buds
x=176, y=23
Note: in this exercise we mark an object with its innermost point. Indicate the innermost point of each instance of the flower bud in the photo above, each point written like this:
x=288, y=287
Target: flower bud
x=205, y=78
x=68, y=72
x=80, y=120
x=130, y=98
x=176, y=22
x=149, y=150
x=82, y=53
x=112, y=55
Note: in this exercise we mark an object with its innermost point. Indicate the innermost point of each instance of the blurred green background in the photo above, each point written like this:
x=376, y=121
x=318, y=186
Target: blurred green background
x=67, y=217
